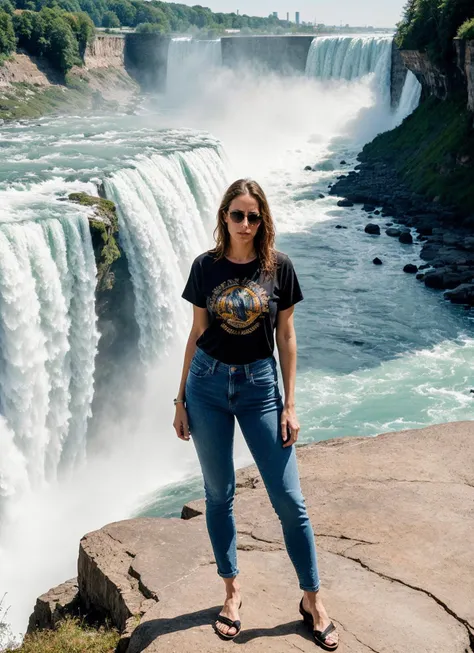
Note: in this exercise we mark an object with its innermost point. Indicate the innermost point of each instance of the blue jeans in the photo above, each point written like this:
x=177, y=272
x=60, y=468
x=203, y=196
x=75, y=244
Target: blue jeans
x=216, y=394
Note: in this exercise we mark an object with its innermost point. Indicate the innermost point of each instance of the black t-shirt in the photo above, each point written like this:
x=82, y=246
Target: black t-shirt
x=242, y=304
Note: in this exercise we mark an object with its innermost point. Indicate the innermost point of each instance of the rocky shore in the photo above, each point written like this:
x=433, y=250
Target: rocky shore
x=394, y=523
x=446, y=235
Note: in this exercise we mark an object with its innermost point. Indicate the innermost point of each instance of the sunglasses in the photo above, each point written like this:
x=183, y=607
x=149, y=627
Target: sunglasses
x=239, y=216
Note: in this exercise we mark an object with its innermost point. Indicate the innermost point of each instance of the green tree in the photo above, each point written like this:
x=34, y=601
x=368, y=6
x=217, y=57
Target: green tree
x=95, y=9
x=147, y=13
x=149, y=28
x=125, y=11
x=110, y=19
x=7, y=7
x=466, y=31
x=7, y=34
x=83, y=29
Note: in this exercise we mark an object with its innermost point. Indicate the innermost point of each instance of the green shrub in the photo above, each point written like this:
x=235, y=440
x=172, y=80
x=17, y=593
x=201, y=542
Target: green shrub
x=71, y=636
x=466, y=31
x=150, y=28
x=7, y=34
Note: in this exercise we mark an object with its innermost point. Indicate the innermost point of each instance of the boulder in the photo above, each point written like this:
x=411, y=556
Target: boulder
x=54, y=605
x=406, y=238
x=321, y=196
x=345, y=203
x=410, y=268
x=308, y=168
x=462, y=294
x=375, y=519
x=377, y=261
x=393, y=232
x=368, y=208
x=373, y=229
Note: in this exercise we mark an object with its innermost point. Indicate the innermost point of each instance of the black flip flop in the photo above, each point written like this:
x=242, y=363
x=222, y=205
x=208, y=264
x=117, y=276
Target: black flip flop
x=320, y=637
x=232, y=624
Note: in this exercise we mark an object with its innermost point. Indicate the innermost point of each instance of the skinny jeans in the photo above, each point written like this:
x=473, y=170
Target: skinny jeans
x=216, y=394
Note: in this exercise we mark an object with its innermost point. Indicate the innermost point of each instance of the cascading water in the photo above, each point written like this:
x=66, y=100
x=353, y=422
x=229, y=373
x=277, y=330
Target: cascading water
x=351, y=58
x=164, y=207
x=409, y=99
x=49, y=340
x=191, y=62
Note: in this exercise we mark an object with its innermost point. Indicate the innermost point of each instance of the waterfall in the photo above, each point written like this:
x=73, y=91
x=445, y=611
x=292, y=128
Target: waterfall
x=165, y=207
x=49, y=341
x=351, y=58
x=191, y=62
x=409, y=99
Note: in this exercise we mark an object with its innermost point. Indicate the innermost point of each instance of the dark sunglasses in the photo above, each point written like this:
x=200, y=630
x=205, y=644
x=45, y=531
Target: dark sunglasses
x=239, y=216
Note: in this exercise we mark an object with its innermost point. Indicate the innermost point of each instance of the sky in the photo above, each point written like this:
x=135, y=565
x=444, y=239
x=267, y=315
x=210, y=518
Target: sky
x=379, y=13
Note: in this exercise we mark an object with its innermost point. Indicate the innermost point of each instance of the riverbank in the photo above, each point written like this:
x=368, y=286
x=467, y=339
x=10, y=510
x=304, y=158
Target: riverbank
x=30, y=88
x=394, y=543
x=420, y=176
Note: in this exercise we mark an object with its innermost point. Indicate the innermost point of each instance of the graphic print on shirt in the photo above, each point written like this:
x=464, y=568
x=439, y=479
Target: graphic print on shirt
x=240, y=305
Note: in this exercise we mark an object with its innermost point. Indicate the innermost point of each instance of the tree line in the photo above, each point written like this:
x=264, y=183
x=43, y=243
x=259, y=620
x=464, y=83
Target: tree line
x=60, y=29
x=431, y=26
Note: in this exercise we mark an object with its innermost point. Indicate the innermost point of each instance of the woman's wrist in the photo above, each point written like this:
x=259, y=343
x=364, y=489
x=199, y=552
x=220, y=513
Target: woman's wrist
x=289, y=404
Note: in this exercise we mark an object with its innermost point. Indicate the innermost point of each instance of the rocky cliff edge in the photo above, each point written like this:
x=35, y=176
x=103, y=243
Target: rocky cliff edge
x=394, y=524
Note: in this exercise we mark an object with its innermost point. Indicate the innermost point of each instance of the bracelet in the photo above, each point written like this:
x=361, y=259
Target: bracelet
x=179, y=401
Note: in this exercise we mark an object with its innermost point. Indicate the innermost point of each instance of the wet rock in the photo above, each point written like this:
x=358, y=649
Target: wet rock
x=346, y=203
x=393, y=232
x=462, y=294
x=343, y=163
x=372, y=229
x=410, y=268
x=308, y=168
x=321, y=196
x=368, y=208
x=377, y=261
x=406, y=238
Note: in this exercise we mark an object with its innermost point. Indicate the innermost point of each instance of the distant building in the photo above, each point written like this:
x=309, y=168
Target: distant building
x=297, y=17
x=275, y=14
x=287, y=16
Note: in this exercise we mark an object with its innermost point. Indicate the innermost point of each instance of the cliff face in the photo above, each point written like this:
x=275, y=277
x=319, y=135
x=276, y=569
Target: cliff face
x=397, y=76
x=442, y=84
x=433, y=79
x=465, y=63
x=105, y=51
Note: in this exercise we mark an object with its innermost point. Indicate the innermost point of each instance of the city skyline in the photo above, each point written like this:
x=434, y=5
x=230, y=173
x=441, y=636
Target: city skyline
x=329, y=12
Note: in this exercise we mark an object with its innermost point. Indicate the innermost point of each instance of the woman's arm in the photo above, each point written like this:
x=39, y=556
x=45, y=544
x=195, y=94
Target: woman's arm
x=286, y=343
x=200, y=324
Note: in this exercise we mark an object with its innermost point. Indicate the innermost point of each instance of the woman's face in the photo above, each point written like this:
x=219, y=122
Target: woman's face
x=244, y=231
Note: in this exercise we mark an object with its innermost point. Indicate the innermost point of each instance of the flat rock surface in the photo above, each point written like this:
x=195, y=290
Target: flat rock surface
x=394, y=524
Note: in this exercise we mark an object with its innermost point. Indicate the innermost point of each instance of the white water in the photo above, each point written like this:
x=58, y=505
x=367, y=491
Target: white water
x=49, y=340
x=352, y=58
x=409, y=99
x=191, y=63
x=165, y=204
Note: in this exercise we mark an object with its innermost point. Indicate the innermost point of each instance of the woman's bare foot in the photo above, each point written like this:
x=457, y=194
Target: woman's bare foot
x=313, y=604
x=231, y=607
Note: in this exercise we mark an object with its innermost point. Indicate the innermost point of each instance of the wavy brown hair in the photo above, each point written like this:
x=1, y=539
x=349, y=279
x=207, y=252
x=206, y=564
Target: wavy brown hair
x=265, y=237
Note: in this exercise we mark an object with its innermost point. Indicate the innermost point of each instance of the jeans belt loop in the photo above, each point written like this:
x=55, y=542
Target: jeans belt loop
x=247, y=371
x=214, y=365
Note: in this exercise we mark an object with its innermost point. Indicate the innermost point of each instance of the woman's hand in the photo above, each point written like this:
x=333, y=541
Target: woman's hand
x=290, y=426
x=181, y=425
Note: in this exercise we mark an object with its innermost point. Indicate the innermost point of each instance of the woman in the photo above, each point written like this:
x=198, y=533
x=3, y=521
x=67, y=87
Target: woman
x=241, y=291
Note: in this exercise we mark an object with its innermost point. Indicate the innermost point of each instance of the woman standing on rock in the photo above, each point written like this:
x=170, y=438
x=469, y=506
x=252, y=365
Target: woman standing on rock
x=242, y=291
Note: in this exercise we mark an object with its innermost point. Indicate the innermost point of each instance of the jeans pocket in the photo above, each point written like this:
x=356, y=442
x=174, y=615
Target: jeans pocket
x=264, y=378
x=199, y=369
